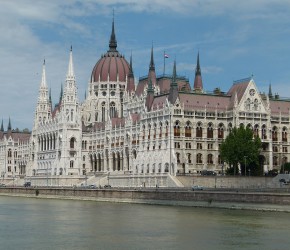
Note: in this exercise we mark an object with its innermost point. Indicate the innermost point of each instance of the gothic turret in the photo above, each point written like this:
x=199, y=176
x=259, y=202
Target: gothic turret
x=70, y=99
x=131, y=82
x=198, y=87
x=2, y=127
x=270, y=95
x=9, y=128
x=150, y=95
x=43, y=109
x=152, y=73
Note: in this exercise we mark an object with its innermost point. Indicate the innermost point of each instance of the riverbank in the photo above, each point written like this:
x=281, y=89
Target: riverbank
x=263, y=201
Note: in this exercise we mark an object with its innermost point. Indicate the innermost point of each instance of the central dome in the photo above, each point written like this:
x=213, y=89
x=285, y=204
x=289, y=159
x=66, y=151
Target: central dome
x=112, y=66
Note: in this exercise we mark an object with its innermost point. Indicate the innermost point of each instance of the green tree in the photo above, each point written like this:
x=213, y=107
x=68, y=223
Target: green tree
x=241, y=148
x=285, y=168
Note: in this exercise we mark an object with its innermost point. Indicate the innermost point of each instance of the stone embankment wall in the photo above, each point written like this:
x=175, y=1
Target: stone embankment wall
x=237, y=199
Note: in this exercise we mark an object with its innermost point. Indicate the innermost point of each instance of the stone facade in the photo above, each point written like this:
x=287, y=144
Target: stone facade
x=160, y=126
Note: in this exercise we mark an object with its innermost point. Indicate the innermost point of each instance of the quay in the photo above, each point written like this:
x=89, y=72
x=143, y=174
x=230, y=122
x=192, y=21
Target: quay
x=250, y=199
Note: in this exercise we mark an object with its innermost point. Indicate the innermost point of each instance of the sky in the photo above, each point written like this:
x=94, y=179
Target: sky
x=235, y=39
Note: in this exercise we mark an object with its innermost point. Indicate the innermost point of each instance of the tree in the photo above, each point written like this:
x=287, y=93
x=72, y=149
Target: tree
x=241, y=148
x=285, y=168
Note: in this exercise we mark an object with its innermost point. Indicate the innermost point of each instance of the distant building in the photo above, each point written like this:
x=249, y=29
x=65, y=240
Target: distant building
x=162, y=126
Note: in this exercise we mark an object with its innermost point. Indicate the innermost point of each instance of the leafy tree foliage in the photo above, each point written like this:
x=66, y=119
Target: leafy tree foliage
x=285, y=168
x=241, y=148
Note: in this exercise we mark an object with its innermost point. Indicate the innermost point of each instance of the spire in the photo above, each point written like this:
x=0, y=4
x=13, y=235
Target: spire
x=131, y=73
x=9, y=125
x=270, y=92
x=50, y=96
x=113, y=41
x=43, y=79
x=197, y=70
x=61, y=93
x=70, y=71
x=198, y=80
x=152, y=65
x=2, y=127
x=173, y=92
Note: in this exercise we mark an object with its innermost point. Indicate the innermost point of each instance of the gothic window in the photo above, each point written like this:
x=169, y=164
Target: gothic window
x=187, y=129
x=9, y=152
x=71, y=164
x=72, y=115
x=199, y=130
x=160, y=130
x=275, y=134
x=230, y=127
x=209, y=159
x=248, y=104
x=103, y=111
x=113, y=110
x=178, y=157
x=166, y=129
x=72, y=142
x=154, y=135
x=199, y=145
x=221, y=131
x=84, y=158
x=67, y=115
x=284, y=134
x=210, y=131
x=264, y=132
x=275, y=160
x=256, y=105
x=199, y=158
x=189, y=158
x=256, y=131
x=177, y=129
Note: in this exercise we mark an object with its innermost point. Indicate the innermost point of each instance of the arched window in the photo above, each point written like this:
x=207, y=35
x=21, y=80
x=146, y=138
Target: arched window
x=199, y=130
x=166, y=129
x=275, y=134
x=209, y=159
x=248, y=104
x=103, y=111
x=275, y=160
x=187, y=129
x=256, y=105
x=71, y=164
x=9, y=152
x=72, y=115
x=177, y=129
x=113, y=112
x=160, y=130
x=284, y=134
x=72, y=142
x=249, y=126
x=189, y=158
x=256, y=131
x=221, y=131
x=199, y=158
x=178, y=157
x=264, y=132
x=84, y=158
x=210, y=131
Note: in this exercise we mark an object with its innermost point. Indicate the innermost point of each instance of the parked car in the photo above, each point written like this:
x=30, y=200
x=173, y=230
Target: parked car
x=107, y=186
x=2, y=185
x=208, y=172
x=197, y=187
x=92, y=186
x=27, y=184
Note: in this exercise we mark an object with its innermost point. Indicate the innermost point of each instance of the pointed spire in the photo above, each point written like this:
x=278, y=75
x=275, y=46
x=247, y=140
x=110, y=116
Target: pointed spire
x=70, y=71
x=43, y=78
x=270, y=92
x=131, y=73
x=197, y=70
x=173, y=91
x=2, y=127
x=198, y=80
x=173, y=82
x=152, y=65
x=9, y=125
x=113, y=41
x=50, y=96
x=61, y=93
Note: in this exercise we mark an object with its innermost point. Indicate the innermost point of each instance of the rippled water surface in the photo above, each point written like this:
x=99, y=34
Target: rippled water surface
x=27, y=223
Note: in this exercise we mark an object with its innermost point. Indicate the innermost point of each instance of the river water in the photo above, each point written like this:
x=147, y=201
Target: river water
x=28, y=223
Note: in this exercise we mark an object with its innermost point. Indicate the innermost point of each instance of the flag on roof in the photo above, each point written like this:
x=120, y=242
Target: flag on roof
x=166, y=56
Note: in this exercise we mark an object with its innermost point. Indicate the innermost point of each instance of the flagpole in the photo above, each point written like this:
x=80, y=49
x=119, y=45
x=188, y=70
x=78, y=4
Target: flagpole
x=164, y=63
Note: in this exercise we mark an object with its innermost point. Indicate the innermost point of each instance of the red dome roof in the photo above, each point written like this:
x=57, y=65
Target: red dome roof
x=112, y=64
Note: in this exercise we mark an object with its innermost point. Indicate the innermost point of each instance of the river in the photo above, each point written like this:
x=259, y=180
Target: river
x=29, y=223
